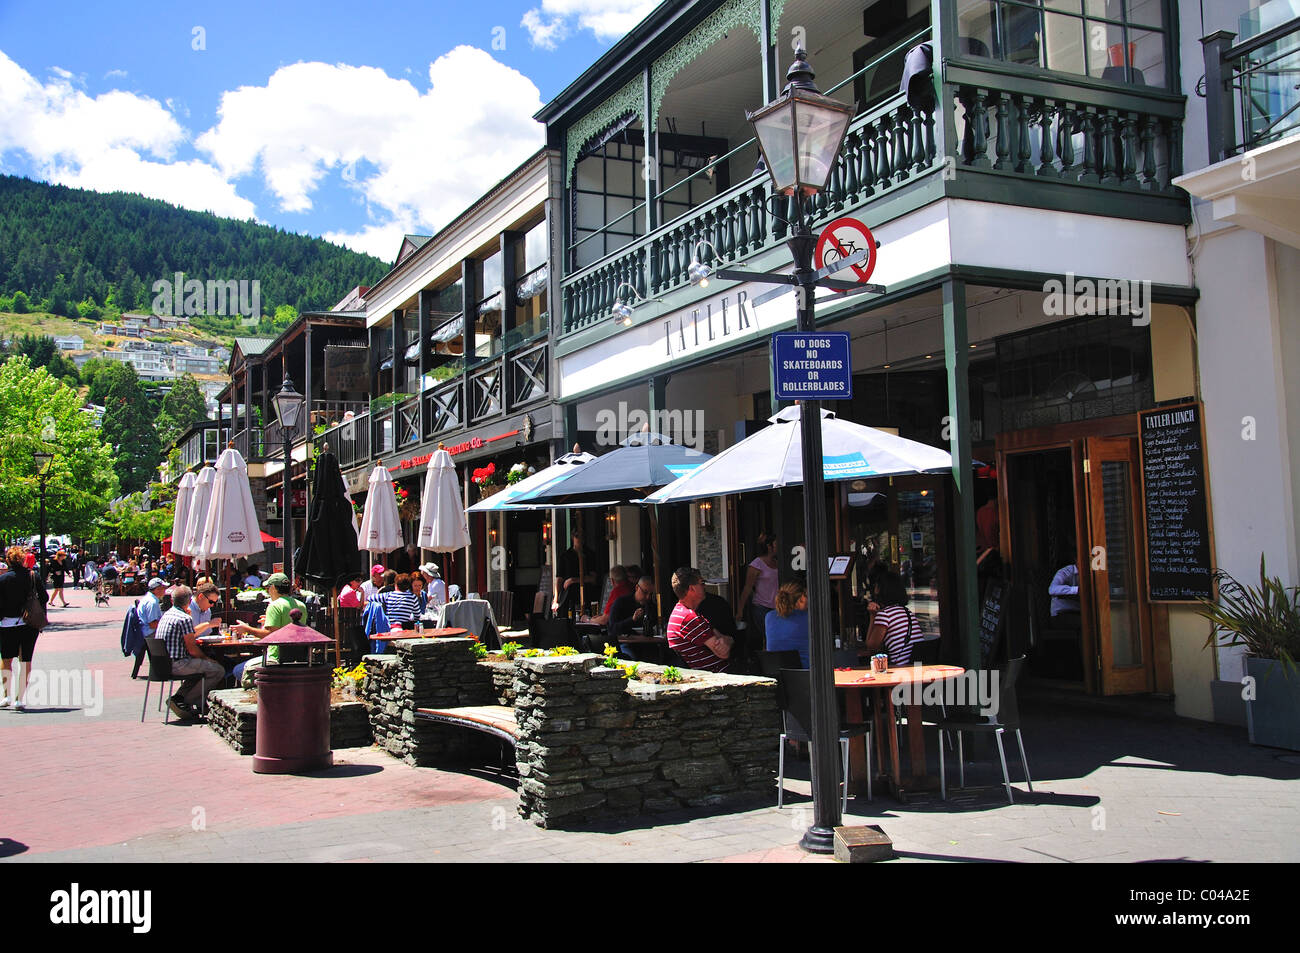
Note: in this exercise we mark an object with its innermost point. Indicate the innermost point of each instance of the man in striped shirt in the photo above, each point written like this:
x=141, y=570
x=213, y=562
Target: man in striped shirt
x=689, y=634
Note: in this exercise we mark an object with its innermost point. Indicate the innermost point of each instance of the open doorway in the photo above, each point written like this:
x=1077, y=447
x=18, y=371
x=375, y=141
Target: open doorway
x=1041, y=493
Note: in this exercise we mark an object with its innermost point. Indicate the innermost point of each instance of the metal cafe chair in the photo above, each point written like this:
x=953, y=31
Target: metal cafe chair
x=796, y=713
x=1007, y=719
x=160, y=670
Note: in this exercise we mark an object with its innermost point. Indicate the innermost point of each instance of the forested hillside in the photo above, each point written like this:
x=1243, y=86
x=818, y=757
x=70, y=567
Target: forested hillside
x=77, y=251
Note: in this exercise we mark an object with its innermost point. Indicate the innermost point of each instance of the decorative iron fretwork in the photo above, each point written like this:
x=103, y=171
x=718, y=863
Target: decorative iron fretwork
x=732, y=14
x=628, y=100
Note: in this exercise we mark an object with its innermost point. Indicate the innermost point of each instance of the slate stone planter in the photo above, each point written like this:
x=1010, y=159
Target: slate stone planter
x=1273, y=716
x=233, y=718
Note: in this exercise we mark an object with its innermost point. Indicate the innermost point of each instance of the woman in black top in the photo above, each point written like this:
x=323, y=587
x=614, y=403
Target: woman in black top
x=17, y=638
x=58, y=570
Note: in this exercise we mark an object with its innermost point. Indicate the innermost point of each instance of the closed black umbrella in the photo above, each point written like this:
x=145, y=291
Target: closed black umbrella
x=329, y=547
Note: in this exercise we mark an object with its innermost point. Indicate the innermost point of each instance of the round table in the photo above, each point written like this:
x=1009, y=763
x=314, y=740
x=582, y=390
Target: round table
x=854, y=682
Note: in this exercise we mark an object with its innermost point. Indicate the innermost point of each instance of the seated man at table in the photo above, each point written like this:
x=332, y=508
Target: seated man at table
x=434, y=587
x=400, y=604
x=689, y=634
x=619, y=588
x=277, y=613
x=634, y=615
x=205, y=597
x=176, y=629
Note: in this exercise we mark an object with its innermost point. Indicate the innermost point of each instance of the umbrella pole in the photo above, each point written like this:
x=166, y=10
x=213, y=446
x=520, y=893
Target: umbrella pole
x=654, y=552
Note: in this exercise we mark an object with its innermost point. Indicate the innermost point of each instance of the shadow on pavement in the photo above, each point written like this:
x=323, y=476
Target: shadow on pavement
x=11, y=848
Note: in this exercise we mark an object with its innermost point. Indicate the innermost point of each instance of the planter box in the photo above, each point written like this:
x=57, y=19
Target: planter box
x=1273, y=717
x=232, y=715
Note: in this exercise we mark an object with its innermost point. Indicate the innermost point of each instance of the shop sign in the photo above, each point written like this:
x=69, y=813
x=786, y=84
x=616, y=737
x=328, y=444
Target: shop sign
x=474, y=443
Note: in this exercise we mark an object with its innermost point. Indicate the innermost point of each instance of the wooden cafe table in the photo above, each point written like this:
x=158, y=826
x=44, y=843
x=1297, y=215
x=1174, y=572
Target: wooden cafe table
x=855, y=682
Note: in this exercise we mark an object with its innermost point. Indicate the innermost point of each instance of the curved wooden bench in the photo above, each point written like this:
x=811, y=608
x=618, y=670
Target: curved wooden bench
x=496, y=720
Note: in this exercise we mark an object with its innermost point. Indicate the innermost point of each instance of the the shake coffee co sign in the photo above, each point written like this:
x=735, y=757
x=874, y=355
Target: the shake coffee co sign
x=678, y=337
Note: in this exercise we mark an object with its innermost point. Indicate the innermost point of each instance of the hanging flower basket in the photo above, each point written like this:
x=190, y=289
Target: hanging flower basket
x=488, y=489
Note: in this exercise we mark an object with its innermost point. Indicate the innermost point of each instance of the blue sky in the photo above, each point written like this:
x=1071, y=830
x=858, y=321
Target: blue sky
x=355, y=122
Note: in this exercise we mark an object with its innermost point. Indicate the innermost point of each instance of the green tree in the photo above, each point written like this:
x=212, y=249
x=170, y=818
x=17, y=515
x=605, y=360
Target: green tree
x=21, y=304
x=182, y=408
x=38, y=412
x=40, y=349
x=129, y=428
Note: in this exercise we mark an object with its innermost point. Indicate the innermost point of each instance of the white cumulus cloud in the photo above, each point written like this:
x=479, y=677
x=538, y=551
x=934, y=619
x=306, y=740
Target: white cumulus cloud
x=549, y=24
x=115, y=141
x=426, y=153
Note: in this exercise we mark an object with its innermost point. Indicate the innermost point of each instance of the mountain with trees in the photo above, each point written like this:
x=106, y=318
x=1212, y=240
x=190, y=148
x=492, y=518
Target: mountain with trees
x=79, y=253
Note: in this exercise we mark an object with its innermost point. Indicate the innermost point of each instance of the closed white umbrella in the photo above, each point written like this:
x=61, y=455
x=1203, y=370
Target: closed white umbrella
x=773, y=458
x=231, y=529
x=442, y=513
x=197, y=516
x=179, y=517
x=381, y=528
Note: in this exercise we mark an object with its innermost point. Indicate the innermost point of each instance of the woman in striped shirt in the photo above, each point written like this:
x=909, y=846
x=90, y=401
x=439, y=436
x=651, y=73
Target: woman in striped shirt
x=400, y=604
x=894, y=629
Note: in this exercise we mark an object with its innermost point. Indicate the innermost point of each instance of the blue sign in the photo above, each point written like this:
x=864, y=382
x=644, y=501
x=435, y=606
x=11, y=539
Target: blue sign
x=812, y=365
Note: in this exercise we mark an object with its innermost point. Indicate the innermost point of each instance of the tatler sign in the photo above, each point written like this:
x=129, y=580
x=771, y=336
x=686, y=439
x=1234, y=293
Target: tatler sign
x=678, y=337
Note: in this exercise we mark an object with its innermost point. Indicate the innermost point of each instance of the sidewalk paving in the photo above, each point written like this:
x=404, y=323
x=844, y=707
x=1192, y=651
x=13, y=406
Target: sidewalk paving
x=80, y=787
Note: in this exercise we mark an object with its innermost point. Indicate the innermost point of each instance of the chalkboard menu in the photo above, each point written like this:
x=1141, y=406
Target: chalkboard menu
x=1175, y=503
x=990, y=619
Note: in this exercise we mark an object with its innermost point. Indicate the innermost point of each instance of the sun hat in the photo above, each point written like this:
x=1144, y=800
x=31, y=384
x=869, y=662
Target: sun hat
x=431, y=569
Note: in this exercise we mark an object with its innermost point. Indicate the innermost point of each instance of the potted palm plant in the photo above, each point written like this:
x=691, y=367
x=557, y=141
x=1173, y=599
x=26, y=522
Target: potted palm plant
x=1266, y=620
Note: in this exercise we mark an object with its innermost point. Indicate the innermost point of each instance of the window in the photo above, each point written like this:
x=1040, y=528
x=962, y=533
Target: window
x=488, y=311
x=1122, y=41
x=446, y=335
x=530, y=319
x=608, y=185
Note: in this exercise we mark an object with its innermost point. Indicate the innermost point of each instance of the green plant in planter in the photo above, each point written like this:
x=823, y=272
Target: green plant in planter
x=1265, y=619
x=564, y=650
x=672, y=674
x=480, y=650
x=509, y=649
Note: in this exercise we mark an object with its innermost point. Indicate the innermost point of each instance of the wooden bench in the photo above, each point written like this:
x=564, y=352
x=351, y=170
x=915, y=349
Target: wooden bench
x=496, y=720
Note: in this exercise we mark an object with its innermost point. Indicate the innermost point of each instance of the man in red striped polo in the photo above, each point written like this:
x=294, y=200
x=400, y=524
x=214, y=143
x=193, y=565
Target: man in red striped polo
x=689, y=634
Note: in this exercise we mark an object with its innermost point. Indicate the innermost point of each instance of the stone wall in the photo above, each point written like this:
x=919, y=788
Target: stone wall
x=427, y=673
x=232, y=714
x=594, y=744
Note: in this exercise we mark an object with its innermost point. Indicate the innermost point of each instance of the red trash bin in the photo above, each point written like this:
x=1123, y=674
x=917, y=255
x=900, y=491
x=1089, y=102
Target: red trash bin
x=293, y=708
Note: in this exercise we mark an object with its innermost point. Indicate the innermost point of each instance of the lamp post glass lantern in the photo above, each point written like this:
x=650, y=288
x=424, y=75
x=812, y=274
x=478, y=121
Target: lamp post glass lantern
x=800, y=135
x=288, y=410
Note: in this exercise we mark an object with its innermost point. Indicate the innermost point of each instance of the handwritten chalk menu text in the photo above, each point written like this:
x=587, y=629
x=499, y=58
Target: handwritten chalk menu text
x=1175, y=504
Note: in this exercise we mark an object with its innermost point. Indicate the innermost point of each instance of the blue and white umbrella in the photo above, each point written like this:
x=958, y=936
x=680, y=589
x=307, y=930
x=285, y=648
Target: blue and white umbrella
x=507, y=500
x=773, y=457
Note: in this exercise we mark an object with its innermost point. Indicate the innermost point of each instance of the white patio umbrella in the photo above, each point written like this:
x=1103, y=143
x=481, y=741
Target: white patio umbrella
x=231, y=529
x=179, y=517
x=197, y=516
x=442, y=512
x=772, y=458
x=381, y=528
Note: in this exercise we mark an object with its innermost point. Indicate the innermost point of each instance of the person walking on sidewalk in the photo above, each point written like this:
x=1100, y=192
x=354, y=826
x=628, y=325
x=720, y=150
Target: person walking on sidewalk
x=58, y=575
x=176, y=629
x=17, y=638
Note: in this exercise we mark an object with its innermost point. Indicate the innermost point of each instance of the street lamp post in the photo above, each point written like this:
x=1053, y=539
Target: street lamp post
x=288, y=410
x=42, y=459
x=800, y=135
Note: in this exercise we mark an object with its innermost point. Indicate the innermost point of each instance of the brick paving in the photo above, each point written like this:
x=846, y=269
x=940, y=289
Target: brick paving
x=83, y=787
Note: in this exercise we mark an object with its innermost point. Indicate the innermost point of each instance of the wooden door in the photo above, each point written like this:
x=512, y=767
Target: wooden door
x=1115, y=570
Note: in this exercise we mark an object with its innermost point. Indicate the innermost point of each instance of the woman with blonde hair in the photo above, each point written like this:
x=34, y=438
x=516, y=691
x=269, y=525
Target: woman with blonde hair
x=787, y=624
x=17, y=638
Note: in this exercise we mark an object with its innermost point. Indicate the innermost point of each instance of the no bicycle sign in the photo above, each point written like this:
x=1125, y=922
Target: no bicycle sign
x=840, y=239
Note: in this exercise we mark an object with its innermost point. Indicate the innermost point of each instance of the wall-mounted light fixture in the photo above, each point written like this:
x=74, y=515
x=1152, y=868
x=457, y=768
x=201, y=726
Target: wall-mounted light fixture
x=546, y=532
x=611, y=526
x=698, y=272
x=705, y=508
x=622, y=310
